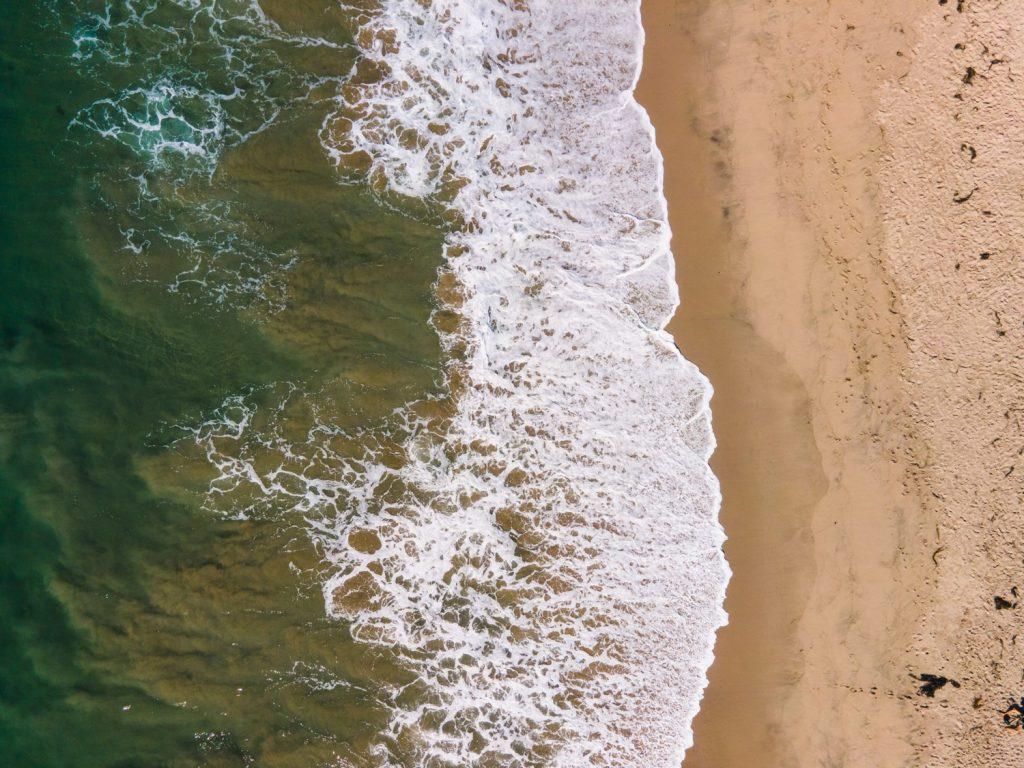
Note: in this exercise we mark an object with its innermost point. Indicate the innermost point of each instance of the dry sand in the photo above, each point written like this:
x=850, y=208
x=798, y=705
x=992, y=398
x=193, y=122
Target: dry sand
x=866, y=358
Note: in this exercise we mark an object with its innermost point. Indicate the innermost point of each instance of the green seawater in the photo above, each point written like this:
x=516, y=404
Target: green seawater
x=173, y=235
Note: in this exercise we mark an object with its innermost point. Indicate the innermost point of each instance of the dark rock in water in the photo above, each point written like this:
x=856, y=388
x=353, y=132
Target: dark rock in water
x=932, y=683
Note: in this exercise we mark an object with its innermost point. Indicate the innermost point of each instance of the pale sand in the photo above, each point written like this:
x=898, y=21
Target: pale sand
x=869, y=398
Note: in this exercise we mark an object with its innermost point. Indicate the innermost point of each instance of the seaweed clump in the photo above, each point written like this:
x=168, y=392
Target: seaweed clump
x=932, y=683
x=1013, y=715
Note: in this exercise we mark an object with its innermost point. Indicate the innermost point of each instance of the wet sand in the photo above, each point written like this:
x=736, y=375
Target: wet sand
x=805, y=239
x=759, y=406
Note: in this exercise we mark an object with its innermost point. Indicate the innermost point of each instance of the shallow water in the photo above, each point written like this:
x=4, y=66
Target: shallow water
x=140, y=623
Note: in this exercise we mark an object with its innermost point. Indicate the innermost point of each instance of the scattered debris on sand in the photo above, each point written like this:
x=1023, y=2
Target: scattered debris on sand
x=932, y=683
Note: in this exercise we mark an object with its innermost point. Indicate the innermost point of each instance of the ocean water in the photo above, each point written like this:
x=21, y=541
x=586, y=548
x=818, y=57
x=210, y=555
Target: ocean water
x=339, y=425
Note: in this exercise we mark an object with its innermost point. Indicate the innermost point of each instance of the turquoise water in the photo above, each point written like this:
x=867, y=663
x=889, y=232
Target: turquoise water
x=173, y=236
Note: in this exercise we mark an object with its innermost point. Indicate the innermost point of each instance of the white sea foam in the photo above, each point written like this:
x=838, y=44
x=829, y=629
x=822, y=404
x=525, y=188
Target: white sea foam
x=161, y=120
x=544, y=556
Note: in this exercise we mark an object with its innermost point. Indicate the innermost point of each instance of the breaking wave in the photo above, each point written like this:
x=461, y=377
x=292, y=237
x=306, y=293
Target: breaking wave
x=539, y=548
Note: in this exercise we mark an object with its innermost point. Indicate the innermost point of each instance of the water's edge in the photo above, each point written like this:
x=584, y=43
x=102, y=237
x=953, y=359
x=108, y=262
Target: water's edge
x=709, y=658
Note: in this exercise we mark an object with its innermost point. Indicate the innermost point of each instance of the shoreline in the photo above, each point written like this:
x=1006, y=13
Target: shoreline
x=788, y=307
x=714, y=333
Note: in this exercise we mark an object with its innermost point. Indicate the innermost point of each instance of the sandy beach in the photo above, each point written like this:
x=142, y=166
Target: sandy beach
x=846, y=224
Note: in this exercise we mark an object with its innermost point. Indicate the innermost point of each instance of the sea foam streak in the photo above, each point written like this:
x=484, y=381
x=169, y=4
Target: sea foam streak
x=544, y=555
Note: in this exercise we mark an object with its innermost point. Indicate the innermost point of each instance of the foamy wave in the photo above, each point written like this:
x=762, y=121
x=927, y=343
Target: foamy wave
x=542, y=552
